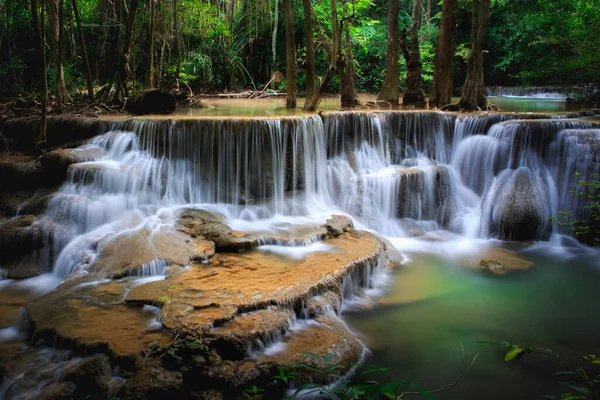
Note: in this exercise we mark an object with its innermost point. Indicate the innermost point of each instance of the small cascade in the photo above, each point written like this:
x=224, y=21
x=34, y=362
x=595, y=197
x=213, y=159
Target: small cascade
x=555, y=93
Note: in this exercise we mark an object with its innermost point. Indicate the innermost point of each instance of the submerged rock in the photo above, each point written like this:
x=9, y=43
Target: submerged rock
x=499, y=261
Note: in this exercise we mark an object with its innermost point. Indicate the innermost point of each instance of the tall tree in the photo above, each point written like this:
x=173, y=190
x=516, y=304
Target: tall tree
x=40, y=37
x=349, y=96
x=473, y=96
x=311, y=81
x=441, y=93
x=55, y=11
x=290, y=55
x=413, y=93
x=150, y=59
x=88, y=70
x=274, y=37
x=119, y=87
x=390, y=91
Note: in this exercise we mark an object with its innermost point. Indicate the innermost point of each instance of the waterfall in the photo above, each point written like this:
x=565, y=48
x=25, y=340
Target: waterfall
x=398, y=173
x=557, y=93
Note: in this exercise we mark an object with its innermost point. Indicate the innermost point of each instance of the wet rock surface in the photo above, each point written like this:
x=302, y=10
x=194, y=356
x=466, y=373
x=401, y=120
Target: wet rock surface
x=518, y=213
x=212, y=312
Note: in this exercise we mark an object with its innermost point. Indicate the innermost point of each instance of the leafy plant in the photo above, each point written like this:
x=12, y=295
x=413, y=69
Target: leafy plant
x=581, y=382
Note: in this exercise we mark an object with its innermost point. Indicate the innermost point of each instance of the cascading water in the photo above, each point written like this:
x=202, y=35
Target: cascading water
x=400, y=174
x=393, y=172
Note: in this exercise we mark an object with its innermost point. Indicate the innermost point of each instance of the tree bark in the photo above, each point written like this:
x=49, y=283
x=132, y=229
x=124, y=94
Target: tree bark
x=441, y=93
x=40, y=39
x=311, y=81
x=56, y=29
x=274, y=37
x=473, y=96
x=290, y=55
x=413, y=93
x=390, y=91
x=177, y=39
x=88, y=69
x=122, y=70
x=150, y=60
x=349, y=97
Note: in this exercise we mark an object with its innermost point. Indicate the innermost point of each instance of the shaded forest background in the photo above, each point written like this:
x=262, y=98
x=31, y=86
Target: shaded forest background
x=226, y=45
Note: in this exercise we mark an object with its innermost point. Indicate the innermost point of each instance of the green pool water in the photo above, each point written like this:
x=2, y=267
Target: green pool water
x=433, y=306
x=275, y=107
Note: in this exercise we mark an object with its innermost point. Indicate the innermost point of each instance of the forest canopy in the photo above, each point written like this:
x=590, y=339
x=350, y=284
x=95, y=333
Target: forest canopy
x=226, y=45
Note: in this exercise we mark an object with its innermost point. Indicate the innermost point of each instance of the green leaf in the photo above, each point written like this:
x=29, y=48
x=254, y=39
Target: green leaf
x=513, y=353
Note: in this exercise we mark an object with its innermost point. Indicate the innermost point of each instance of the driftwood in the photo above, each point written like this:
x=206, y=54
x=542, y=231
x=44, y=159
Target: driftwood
x=251, y=94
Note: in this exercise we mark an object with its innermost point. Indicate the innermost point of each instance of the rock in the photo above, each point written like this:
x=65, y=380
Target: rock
x=58, y=391
x=26, y=268
x=154, y=381
x=519, y=211
x=493, y=266
x=337, y=225
x=91, y=376
x=23, y=235
x=499, y=261
x=127, y=252
x=151, y=101
x=329, y=336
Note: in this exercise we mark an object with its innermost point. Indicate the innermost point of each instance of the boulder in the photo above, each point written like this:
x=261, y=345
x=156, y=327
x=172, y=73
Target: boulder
x=519, y=210
x=337, y=225
x=151, y=101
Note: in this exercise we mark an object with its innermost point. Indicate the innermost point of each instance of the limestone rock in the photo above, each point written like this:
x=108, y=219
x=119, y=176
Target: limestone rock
x=337, y=225
x=518, y=213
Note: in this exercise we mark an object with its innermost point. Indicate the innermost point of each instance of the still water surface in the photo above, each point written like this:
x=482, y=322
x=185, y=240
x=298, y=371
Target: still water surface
x=435, y=305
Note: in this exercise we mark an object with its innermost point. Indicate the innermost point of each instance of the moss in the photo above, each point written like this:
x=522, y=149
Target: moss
x=185, y=352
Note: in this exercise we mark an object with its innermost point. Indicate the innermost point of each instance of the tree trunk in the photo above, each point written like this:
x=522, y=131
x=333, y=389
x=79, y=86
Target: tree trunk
x=274, y=38
x=290, y=55
x=473, y=96
x=150, y=60
x=177, y=39
x=40, y=39
x=390, y=91
x=413, y=93
x=122, y=70
x=88, y=70
x=56, y=37
x=311, y=81
x=349, y=98
x=441, y=93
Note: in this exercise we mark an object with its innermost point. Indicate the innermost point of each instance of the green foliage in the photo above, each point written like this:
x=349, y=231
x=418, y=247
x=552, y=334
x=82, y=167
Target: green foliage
x=586, y=229
x=185, y=352
x=580, y=383
x=323, y=368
